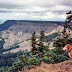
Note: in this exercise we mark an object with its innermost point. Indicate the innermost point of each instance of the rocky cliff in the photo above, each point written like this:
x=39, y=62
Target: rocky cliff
x=18, y=32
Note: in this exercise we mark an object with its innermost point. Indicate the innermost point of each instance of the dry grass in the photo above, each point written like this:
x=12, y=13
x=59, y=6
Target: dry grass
x=65, y=66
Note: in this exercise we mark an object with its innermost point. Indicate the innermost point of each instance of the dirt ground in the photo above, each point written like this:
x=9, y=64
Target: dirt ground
x=65, y=66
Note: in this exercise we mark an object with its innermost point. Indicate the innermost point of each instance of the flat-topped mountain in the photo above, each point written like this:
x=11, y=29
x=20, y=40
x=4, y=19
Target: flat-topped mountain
x=38, y=24
x=18, y=32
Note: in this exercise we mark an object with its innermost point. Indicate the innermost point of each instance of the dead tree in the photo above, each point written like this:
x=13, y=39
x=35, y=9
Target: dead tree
x=67, y=22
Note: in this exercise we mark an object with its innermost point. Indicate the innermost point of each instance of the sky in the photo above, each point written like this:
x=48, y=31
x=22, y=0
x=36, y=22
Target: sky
x=42, y=10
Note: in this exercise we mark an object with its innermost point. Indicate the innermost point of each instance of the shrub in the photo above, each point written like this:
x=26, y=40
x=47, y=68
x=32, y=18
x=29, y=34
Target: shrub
x=54, y=56
x=60, y=42
x=16, y=66
x=59, y=58
x=48, y=60
x=24, y=59
x=34, y=60
x=58, y=51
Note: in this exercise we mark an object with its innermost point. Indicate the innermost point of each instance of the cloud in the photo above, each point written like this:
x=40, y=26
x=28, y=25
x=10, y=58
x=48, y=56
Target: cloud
x=66, y=2
x=34, y=9
x=8, y=6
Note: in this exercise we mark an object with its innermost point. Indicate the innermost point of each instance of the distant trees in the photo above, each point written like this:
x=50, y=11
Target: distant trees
x=22, y=61
x=2, y=41
x=8, y=58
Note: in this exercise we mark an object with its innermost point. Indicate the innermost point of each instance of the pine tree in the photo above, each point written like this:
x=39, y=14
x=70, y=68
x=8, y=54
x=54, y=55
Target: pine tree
x=41, y=46
x=42, y=36
x=33, y=43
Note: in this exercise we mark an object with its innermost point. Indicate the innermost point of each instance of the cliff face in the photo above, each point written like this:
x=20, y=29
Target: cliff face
x=19, y=32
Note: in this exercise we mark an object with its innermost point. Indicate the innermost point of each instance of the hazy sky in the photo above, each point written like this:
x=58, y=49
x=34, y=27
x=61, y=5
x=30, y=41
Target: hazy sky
x=34, y=9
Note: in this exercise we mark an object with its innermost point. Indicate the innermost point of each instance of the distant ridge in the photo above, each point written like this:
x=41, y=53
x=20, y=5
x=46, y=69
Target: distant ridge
x=33, y=21
x=9, y=23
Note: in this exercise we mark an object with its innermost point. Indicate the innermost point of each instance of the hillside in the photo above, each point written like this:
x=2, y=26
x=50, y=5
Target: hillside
x=18, y=32
x=65, y=66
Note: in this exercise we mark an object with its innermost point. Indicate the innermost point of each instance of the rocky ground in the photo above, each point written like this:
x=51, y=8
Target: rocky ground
x=65, y=66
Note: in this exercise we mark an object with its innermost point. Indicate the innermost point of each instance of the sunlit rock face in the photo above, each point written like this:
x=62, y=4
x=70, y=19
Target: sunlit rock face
x=20, y=32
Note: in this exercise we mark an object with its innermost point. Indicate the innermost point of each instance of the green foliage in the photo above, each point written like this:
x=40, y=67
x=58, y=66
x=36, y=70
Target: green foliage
x=29, y=60
x=58, y=51
x=6, y=60
x=59, y=58
x=9, y=58
x=47, y=60
x=41, y=46
x=41, y=53
x=59, y=55
x=34, y=60
x=20, y=63
x=38, y=48
x=41, y=49
x=16, y=66
x=42, y=36
x=33, y=43
x=24, y=59
x=4, y=69
x=51, y=56
x=55, y=56
x=61, y=42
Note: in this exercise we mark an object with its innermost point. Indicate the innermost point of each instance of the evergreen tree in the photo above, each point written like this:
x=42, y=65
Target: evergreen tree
x=33, y=43
x=42, y=36
x=41, y=46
